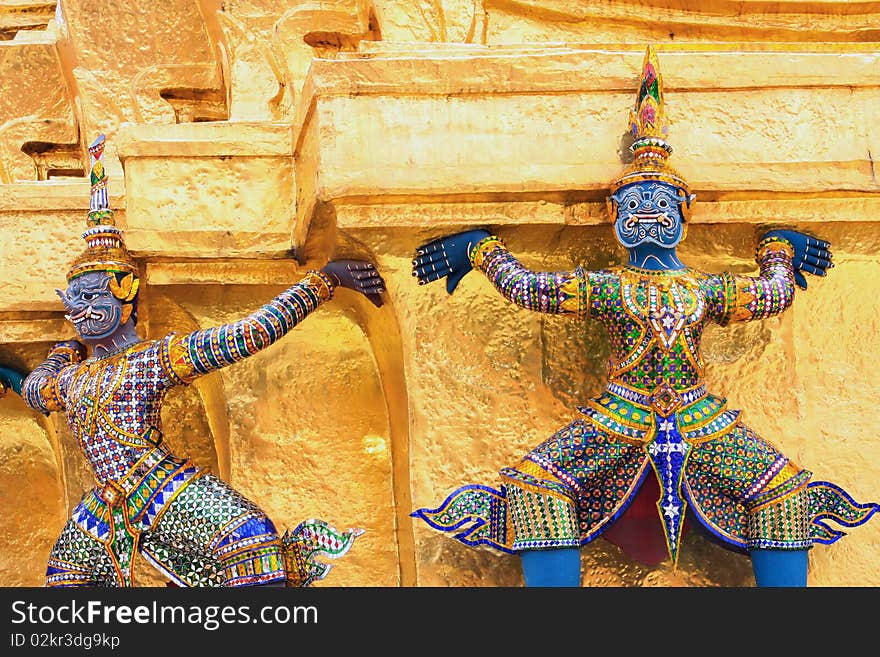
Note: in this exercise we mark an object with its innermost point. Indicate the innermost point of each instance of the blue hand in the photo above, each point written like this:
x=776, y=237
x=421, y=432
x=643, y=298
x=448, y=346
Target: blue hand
x=811, y=255
x=358, y=275
x=11, y=378
x=447, y=256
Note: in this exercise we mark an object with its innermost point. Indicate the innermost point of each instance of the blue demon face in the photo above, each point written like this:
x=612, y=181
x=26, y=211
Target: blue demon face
x=91, y=306
x=649, y=212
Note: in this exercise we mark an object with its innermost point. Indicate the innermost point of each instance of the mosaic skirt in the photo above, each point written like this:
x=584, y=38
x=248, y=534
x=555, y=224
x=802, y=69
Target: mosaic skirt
x=211, y=535
x=576, y=484
x=205, y=534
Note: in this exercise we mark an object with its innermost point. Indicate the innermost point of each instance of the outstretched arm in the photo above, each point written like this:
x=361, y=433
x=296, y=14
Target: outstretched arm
x=45, y=389
x=782, y=256
x=189, y=356
x=456, y=255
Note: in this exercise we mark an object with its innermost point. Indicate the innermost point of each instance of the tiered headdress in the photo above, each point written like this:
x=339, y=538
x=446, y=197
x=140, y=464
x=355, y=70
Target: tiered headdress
x=648, y=125
x=105, y=248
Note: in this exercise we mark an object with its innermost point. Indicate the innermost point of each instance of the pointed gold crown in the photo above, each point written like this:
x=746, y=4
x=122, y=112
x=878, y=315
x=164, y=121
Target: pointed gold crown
x=649, y=128
x=105, y=248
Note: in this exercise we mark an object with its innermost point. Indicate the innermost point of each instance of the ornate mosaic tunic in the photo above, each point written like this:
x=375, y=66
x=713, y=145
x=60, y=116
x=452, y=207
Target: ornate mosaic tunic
x=189, y=524
x=655, y=415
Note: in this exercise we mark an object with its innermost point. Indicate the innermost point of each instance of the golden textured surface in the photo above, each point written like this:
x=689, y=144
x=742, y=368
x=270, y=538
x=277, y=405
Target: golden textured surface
x=232, y=196
x=139, y=61
x=38, y=132
x=266, y=47
x=680, y=20
x=307, y=427
x=30, y=495
x=249, y=140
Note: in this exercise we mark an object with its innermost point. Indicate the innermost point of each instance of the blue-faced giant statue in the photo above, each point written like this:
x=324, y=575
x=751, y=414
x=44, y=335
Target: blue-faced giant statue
x=191, y=525
x=655, y=438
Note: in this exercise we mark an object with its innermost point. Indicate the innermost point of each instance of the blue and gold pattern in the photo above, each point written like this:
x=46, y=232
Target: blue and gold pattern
x=145, y=493
x=192, y=526
x=655, y=414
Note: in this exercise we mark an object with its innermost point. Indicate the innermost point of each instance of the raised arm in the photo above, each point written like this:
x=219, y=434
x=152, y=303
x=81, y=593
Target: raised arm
x=782, y=257
x=190, y=356
x=547, y=292
x=45, y=388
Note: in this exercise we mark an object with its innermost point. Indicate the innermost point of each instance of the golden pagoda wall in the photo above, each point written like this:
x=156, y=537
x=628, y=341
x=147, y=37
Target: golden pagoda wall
x=254, y=143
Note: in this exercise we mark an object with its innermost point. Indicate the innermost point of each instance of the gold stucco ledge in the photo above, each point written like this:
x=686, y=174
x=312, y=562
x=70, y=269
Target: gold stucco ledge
x=403, y=133
x=208, y=190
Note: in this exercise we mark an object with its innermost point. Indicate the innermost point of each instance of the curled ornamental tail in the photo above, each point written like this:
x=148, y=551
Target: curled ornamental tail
x=312, y=539
x=830, y=502
x=474, y=514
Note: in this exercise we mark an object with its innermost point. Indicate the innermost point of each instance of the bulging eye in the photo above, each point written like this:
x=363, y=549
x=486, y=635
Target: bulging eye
x=633, y=204
x=663, y=203
x=88, y=296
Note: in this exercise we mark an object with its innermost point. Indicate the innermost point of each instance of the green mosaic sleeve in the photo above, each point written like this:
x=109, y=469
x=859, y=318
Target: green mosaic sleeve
x=545, y=292
x=190, y=356
x=738, y=298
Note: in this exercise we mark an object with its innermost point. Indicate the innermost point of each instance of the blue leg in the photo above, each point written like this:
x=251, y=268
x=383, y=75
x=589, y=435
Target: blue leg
x=780, y=567
x=559, y=567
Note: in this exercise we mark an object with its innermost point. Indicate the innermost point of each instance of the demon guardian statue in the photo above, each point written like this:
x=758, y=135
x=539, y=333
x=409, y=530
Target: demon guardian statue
x=655, y=418
x=191, y=525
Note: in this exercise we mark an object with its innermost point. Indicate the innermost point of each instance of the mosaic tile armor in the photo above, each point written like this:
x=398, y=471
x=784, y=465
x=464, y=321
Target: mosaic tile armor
x=655, y=415
x=190, y=525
